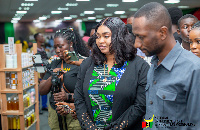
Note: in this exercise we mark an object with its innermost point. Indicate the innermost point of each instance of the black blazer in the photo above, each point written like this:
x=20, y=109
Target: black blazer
x=129, y=100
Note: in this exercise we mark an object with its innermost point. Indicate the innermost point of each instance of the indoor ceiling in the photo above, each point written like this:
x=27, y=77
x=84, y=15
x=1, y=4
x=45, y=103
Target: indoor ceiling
x=39, y=8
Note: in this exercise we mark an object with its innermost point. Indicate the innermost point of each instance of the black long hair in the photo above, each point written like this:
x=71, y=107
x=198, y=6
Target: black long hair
x=122, y=42
x=71, y=35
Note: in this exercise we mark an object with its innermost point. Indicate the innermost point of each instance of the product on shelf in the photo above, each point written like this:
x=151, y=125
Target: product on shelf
x=11, y=60
x=11, y=80
x=13, y=103
x=27, y=59
x=13, y=123
x=9, y=104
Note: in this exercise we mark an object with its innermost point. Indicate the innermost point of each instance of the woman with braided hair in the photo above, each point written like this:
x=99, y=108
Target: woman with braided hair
x=194, y=40
x=64, y=40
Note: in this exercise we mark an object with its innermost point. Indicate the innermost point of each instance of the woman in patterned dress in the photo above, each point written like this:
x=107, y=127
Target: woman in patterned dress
x=110, y=90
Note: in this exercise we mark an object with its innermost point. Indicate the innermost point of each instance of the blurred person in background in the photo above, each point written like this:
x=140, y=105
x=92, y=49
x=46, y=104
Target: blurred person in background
x=175, y=14
x=39, y=38
x=185, y=24
x=24, y=44
x=194, y=39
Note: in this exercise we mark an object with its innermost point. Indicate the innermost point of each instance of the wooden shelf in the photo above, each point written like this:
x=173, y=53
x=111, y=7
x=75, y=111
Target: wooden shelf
x=11, y=91
x=29, y=86
x=20, y=90
x=29, y=106
x=27, y=66
x=11, y=69
x=31, y=125
x=12, y=112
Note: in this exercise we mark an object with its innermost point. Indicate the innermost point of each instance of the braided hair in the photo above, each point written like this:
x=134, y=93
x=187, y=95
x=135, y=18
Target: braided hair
x=196, y=25
x=71, y=35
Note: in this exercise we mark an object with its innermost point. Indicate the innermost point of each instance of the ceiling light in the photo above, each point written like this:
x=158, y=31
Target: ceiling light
x=91, y=18
x=133, y=9
x=172, y=1
x=82, y=0
x=129, y=0
x=71, y=4
x=42, y=18
x=21, y=12
x=73, y=16
x=183, y=7
x=14, y=21
x=112, y=5
x=99, y=16
x=123, y=16
x=63, y=8
x=20, y=8
x=78, y=20
x=82, y=14
x=85, y=19
x=36, y=21
x=99, y=8
x=119, y=12
x=67, y=18
x=89, y=12
x=58, y=21
x=98, y=20
x=16, y=18
x=108, y=14
x=56, y=12
x=31, y=0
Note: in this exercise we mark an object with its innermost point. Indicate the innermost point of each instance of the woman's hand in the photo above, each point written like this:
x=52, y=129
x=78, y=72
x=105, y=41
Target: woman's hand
x=67, y=58
x=61, y=96
x=60, y=110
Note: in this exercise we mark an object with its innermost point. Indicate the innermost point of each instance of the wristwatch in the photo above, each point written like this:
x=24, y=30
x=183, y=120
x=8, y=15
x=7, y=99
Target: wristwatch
x=69, y=96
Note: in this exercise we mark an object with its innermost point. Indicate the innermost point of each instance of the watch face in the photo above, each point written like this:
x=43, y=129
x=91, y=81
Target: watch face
x=69, y=97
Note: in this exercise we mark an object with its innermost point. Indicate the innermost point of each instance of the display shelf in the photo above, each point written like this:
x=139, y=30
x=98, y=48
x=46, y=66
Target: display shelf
x=31, y=125
x=26, y=108
x=11, y=91
x=29, y=86
x=12, y=112
x=19, y=91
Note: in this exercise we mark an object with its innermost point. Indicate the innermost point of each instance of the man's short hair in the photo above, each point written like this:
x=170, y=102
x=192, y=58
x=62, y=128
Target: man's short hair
x=35, y=36
x=186, y=16
x=156, y=14
x=175, y=14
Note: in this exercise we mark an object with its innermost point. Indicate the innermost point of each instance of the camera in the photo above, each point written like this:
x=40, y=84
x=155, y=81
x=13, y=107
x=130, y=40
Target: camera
x=42, y=64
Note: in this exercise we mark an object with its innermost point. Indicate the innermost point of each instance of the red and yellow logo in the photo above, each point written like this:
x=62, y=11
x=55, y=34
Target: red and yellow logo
x=147, y=123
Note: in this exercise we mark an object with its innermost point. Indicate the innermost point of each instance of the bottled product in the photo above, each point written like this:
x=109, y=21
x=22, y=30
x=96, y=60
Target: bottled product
x=9, y=104
x=25, y=121
x=10, y=123
x=32, y=116
x=14, y=123
x=18, y=123
x=29, y=119
x=15, y=104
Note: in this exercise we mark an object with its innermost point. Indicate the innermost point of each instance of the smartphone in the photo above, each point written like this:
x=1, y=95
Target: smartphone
x=73, y=55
